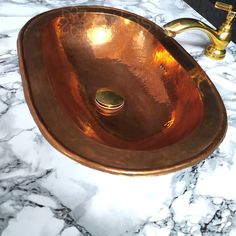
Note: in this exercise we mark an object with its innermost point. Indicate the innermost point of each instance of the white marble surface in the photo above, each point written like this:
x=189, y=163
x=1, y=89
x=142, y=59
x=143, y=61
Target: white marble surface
x=43, y=193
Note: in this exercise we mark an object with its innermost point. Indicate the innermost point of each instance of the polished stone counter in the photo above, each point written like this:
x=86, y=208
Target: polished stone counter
x=44, y=193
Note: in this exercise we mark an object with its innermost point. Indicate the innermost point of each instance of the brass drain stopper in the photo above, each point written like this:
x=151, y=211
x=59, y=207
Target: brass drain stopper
x=108, y=102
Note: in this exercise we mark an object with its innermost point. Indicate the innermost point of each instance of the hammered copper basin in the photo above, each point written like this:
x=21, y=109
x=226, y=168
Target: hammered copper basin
x=168, y=116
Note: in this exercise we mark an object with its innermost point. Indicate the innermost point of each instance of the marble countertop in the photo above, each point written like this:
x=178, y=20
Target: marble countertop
x=44, y=193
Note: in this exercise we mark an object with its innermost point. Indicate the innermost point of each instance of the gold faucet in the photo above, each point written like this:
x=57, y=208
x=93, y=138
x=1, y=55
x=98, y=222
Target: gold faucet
x=220, y=38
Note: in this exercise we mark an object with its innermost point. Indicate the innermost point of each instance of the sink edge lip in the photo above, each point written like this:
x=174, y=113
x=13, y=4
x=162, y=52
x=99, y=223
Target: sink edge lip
x=83, y=160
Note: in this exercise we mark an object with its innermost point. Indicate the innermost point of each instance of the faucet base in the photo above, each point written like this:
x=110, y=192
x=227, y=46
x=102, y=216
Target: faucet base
x=214, y=53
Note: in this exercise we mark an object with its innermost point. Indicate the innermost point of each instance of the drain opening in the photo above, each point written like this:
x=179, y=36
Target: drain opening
x=108, y=102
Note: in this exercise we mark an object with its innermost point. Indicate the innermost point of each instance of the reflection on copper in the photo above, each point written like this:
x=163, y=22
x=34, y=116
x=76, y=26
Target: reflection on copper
x=163, y=55
x=140, y=38
x=99, y=35
x=88, y=130
x=170, y=122
x=126, y=21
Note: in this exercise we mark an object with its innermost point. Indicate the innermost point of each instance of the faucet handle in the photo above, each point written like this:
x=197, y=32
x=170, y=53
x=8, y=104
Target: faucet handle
x=224, y=6
x=228, y=8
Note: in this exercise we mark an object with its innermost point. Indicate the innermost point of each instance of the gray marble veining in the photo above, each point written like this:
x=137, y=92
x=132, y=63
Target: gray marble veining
x=43, y=193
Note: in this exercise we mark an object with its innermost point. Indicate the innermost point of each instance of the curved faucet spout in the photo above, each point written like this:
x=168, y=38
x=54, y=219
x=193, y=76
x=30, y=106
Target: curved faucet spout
x=219, y=39
x=180, y=25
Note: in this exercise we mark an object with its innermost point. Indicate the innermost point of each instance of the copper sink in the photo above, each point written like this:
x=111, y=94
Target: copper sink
x=110, y=90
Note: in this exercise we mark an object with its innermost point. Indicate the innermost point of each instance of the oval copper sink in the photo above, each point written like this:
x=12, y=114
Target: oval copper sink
x=110, y=90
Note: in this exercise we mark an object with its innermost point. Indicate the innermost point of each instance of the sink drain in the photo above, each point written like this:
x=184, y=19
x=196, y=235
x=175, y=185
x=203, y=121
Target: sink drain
x=108, y=102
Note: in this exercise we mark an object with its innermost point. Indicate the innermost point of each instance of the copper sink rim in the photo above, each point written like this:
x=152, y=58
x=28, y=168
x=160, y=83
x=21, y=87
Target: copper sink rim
x=215, y=141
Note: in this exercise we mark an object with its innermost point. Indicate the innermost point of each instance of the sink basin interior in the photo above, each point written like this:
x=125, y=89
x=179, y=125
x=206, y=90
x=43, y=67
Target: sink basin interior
x=109, y=89
x=85, y=52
